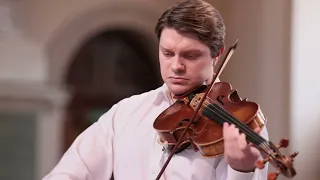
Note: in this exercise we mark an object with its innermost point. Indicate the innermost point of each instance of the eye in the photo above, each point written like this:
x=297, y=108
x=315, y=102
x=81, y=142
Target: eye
x=191, y=56
x=167, y=53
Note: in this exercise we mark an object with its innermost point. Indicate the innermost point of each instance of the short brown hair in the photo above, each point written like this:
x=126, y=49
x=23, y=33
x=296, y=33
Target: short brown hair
x=197, y=17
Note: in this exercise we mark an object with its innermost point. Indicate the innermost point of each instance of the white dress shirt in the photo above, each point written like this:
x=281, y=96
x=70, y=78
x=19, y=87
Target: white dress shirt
x=124, y=142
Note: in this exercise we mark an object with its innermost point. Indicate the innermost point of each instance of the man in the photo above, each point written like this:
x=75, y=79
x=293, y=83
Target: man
x=124, y=143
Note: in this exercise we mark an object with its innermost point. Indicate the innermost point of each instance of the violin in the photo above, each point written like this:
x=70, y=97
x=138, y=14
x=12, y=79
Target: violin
x=196, y=120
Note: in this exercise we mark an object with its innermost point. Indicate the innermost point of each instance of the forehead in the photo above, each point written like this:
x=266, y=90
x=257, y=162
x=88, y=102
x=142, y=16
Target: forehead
x=173, y=40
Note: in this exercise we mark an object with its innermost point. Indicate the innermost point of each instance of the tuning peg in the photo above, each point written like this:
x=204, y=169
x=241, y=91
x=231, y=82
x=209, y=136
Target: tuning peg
x=274, y=175
x=261, y=163
x=293, y=155
x=283, y=143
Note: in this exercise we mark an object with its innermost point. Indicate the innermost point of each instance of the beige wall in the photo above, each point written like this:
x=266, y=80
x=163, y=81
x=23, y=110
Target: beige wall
x=259, y=66
x=305, y=86
x=276, y=54
x=276, y=65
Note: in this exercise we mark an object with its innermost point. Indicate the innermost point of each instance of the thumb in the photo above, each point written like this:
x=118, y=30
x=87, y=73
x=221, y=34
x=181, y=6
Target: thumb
x=257, y=130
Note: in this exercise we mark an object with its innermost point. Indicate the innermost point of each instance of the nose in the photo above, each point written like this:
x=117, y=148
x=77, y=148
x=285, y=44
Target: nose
x=177, y=66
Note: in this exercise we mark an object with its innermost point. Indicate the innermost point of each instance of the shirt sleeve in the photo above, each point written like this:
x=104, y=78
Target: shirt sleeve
x=91, y=154
x=225, y=172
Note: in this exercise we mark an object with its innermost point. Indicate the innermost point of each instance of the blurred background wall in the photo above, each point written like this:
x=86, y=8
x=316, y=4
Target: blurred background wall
x=64, y=63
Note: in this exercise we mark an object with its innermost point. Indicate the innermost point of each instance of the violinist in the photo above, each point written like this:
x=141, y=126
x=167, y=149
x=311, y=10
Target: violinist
x=123, y=142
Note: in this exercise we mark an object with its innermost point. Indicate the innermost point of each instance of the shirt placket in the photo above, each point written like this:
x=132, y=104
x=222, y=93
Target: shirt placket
x=159, y=155
x=157, y=160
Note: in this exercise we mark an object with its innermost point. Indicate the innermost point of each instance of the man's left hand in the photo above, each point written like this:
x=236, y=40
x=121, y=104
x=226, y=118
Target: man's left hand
x=240, y=155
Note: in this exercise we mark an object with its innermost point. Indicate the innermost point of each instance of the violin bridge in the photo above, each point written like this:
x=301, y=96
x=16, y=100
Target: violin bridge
x=194, y=103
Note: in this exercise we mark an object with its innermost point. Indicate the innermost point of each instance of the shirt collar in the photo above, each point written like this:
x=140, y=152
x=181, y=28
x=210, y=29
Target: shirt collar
x=163, y=93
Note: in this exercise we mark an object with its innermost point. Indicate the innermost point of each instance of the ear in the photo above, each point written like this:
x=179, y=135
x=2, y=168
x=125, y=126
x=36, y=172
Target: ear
x=215, y=59
x=220, y=52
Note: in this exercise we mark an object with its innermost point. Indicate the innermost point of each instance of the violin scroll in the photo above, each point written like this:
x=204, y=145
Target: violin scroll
x=283, y=164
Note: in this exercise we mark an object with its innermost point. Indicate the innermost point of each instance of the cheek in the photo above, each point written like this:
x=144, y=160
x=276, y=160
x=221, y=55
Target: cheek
x=164, y=67
x=203, y=70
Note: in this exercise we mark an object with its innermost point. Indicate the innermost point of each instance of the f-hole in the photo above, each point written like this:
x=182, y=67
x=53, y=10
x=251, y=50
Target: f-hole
x=219, y=99
x=185, y=120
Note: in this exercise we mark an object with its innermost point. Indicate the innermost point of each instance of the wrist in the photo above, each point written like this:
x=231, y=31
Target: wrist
x=243, y=170
x=234, y=174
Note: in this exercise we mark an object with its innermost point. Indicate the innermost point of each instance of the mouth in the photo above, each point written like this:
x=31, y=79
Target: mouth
x=178, y=80
x=173, y=77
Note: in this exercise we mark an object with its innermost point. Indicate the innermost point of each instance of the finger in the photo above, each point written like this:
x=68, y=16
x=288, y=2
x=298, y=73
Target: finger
x=225, y=133
x=229, y=141
x=232, y=129
x=236, y=131
x=226, y=129
x=225, y=125
x=242, y=142
x=231, y=133
x=232, y=126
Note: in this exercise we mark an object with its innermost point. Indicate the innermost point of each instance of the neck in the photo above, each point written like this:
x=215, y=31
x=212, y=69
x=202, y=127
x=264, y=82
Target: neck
x=211, y=79
x=172, y=97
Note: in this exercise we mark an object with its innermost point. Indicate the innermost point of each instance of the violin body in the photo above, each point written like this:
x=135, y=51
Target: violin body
x=205, y=133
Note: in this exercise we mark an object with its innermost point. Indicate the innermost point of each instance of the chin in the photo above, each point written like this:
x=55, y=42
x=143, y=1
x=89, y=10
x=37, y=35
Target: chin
x=178, y=89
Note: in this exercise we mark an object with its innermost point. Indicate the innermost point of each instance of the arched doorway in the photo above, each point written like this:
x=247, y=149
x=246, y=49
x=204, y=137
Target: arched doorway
x=107, y=68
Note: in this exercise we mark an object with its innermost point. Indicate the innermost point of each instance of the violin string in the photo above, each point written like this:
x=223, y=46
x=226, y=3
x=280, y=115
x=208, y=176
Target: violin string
x=262, y=142
x=239, y=123
x=263, y=145
x=231, y=118
x=249, y=133
x=253, y=134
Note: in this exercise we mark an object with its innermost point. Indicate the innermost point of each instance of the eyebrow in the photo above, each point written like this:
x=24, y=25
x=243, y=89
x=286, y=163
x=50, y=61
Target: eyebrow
x=184, y=51
x=192, y=50
x=163, y=48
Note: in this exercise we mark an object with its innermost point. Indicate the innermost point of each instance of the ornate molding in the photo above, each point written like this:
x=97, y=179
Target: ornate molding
x=32, y=92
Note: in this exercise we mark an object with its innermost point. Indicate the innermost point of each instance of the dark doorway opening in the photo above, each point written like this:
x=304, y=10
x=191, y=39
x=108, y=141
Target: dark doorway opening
x=107, y=68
